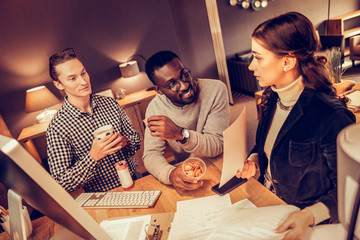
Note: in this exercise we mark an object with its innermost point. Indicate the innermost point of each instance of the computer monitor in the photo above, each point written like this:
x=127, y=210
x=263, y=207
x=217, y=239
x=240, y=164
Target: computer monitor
x=348, y=155
x=20, y=172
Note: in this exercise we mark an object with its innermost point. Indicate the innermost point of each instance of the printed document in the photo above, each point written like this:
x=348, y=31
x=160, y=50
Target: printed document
x=196, y=218
x=354, y=99
x=235, y=148
x=252, y=223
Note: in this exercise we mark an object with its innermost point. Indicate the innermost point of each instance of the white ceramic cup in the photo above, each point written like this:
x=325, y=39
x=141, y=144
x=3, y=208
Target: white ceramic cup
x=103, y=131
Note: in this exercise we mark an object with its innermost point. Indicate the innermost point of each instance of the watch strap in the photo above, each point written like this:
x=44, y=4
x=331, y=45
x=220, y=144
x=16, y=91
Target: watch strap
x=185, y=134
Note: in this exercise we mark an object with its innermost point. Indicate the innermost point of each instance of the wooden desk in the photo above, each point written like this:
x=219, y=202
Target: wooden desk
x=165, y=207
x=251, y=190
x=27, y=136
x=133, y=104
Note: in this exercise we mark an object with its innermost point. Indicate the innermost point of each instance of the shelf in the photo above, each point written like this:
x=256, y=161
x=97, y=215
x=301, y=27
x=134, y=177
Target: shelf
x=351, y=32
x=347, y=16
x=335, y=25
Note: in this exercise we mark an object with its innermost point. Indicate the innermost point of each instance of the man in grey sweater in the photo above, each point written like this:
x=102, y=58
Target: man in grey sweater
x=188, y=114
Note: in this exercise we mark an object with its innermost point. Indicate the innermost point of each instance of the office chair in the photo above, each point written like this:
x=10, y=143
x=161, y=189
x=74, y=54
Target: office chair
x=329, y=41
x=354, y=45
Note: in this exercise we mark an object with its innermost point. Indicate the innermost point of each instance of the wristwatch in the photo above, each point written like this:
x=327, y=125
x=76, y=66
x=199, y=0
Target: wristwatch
x=185, y=133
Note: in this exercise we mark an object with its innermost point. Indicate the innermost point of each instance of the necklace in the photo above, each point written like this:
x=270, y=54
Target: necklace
x=283, y=107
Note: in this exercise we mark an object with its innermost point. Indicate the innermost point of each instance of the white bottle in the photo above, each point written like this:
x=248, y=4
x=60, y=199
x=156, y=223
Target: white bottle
x=125, y=178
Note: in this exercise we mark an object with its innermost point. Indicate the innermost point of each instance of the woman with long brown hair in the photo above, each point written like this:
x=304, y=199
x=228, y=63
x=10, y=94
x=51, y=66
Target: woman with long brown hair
x=300, y=118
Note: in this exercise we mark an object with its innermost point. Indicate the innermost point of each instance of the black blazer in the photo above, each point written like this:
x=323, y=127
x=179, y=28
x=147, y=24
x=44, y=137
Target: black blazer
x=303, y=159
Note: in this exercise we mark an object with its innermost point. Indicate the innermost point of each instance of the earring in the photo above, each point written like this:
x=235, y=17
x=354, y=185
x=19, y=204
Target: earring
x=285, y=69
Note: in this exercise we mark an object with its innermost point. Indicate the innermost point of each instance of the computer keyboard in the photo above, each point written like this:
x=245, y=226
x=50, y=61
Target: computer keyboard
x=131, y=199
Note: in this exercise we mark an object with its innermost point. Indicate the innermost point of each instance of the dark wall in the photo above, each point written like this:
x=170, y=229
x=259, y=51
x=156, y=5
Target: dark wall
x=105, y=33
x=193, y=32
x=238, y=24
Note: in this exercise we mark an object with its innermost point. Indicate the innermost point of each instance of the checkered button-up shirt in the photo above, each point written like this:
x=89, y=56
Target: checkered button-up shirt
x=69, y=140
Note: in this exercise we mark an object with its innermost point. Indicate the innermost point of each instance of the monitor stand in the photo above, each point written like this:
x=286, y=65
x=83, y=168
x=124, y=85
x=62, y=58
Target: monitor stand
x=354, y=215
x=18, y=224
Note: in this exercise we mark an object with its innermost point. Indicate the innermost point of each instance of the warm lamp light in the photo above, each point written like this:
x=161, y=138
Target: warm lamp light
x=39, y=98
x=129, y=69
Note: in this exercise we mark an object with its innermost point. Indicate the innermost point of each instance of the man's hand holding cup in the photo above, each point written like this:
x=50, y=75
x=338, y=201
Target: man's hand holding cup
x=106, y=142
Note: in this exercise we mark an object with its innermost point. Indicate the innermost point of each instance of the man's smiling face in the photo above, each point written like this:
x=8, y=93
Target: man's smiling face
x=170, y=74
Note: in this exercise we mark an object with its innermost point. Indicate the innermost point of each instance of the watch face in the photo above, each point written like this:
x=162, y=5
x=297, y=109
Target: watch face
x=185, y=133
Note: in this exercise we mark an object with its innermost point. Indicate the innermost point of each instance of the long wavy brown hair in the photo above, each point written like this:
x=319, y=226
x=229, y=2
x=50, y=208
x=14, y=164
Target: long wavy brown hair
x=293, y=34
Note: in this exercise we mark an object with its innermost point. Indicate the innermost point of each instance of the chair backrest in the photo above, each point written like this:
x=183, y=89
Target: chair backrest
x=353, y=42
x=329, y=41
x=3, y=128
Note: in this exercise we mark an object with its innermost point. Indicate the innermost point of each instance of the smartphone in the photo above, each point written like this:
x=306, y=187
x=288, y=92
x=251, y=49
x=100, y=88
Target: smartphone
x=230, y=185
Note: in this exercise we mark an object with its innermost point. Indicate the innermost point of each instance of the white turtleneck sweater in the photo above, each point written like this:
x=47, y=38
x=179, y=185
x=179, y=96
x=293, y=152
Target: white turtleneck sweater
x=288, y=97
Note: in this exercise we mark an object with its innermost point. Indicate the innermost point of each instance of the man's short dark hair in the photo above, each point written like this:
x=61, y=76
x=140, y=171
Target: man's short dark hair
x=156, y=61
x=59, y=58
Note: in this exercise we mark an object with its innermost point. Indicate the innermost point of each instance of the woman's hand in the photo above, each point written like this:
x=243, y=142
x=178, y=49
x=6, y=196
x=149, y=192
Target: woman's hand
x=248, y=170
x=296, y=223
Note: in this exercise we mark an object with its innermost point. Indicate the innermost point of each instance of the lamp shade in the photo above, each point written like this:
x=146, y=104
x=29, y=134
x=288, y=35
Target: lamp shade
x=39, y=98
x=129, y=69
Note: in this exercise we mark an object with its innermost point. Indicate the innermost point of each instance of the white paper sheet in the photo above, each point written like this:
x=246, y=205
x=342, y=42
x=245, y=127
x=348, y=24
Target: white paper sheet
x=245, y=203
x=354, y=98
x=235, y=148
x=203, y=203
x=127, y=228
x=196, y=218
x=252, y=223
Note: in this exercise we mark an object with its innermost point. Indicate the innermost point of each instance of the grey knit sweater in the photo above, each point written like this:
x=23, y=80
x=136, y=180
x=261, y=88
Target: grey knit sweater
x=205, y=119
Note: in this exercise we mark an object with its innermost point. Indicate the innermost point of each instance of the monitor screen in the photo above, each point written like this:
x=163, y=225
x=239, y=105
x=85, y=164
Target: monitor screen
x=348, y=167
x=20, y=172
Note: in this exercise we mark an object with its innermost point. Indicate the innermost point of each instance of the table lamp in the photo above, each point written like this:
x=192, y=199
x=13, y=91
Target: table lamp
x=129, y=69
x=41, y=98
